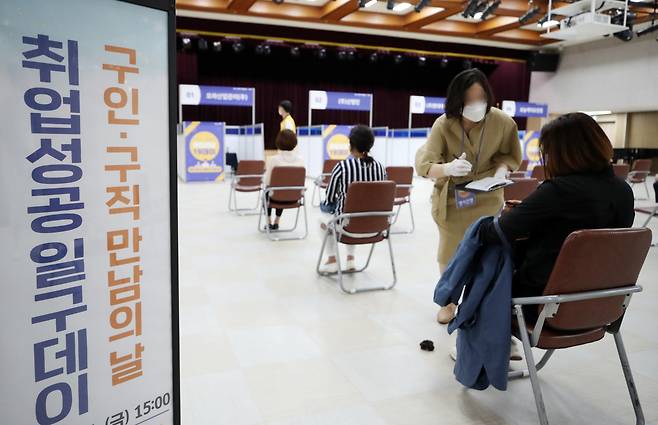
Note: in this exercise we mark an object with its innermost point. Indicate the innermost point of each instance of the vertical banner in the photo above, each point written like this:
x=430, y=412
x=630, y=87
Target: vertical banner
x=530, y=147
x=204, y=150
x=89, y=226
x=336, y=142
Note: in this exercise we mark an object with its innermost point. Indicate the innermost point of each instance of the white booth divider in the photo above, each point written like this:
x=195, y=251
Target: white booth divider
x=311, y=149
x=246, y=141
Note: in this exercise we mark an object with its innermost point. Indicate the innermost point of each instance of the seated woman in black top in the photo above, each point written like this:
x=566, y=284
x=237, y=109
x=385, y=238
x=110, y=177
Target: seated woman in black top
x=581, y=192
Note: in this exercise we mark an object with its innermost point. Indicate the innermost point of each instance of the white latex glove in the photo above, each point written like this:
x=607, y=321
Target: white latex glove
x=501, y=172
x=458, y=167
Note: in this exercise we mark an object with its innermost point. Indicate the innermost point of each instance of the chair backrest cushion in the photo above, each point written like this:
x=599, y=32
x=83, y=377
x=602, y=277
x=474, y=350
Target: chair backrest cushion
x=524, y=165
x=642, y=165
x=369, y=197
x=401, y=175
x=538, y=173
x=520, y=189
x=592, y=260
x=250, y=167
x=621, y=170
x=327, y=167
x=287, y=176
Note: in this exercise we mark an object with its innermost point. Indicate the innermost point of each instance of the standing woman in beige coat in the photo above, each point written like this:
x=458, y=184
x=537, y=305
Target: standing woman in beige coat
x=472, y=140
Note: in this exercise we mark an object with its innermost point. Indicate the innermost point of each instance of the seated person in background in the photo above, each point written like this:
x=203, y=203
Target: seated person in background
x=285, y=142
x=580, y=192
x=358, y=167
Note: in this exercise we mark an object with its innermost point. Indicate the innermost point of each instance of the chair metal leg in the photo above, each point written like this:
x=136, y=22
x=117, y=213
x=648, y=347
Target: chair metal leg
x=532, y=370
x=340, y=272
x=273, y=235
x=315, y=187
x=395, y=219
x=630, y=382
x=646, y=189
x=516, y=374
x=324, y=244
x=233, y=196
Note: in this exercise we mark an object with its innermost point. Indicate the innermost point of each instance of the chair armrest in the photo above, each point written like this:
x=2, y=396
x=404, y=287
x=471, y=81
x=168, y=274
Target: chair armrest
x=552, y=303
x=405, y=186
x=271, y=189
x=247, y=176
x=318, y=179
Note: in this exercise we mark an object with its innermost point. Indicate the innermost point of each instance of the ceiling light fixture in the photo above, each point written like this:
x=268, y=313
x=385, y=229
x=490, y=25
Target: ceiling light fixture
x=530, y=13
x=421, y=5
x=401, y=7
x=491, y=8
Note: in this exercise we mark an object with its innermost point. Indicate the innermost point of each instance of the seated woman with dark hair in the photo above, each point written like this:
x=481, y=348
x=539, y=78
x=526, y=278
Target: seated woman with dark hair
x=285, y=141
x=358, y=167
x=580, y=192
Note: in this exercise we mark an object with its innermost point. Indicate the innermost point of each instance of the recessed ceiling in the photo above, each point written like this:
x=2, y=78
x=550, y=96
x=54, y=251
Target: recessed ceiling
x=439, y=18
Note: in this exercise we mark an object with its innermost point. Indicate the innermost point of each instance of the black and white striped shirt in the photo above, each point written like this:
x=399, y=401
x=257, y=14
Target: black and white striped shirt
x=348, y=171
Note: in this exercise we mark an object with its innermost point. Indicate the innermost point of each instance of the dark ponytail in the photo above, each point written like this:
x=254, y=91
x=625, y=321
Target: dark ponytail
x=362, y=139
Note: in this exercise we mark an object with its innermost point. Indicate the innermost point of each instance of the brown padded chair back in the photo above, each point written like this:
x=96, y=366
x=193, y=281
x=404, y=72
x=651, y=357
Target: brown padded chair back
x=524, y=165
x=287, y=176
x=520, y=189
x=368, y=197
x=641, y=169
x=592, y=260
x=538, y=173
x=249, y=167
x=621, y=170
x=327, y=167
x=401, y=175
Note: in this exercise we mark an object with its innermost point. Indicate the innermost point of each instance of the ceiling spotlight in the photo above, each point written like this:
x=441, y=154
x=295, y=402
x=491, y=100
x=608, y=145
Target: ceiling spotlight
x=202, y=44
x=444, y=62
x=467, y=64
x=342, y=55
x=422, y=60
x=398, y=59
x=491, y=8
x=529, y=14
x=263, y=49
x=367, y=3
x=186, y=43
x=351, y=54
x=421, y=5
x=469, y=10
x=321, y=53
x=373, y=57
x=216, y=46
x=390, y=4
x=295, y=52
x=238, y=46
x=278, y=1
x=544, y=22
x=477, y=15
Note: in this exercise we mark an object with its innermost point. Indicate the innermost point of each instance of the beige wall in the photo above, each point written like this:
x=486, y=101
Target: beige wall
x=642, y=130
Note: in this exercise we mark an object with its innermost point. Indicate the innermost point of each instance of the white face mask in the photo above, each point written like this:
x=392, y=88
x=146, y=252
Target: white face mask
x=475, y=111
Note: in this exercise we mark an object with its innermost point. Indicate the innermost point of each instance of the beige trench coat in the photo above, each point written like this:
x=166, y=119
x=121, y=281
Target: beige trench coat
x=500, y=145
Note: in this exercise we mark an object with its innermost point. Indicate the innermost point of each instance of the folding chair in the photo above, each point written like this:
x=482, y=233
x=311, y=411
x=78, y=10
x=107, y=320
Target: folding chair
x=586, y=296
x=321, y=182
x=639, y=173
x=538, y=173
x=524, y=166
x=517, y=175
x=621, y=170
x=248, y=178
x=366, y=219
x=403, y=178
x=286, y=191
x=520, y=189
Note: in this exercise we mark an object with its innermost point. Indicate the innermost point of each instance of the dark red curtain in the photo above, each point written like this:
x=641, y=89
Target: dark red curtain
x=279, y=76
